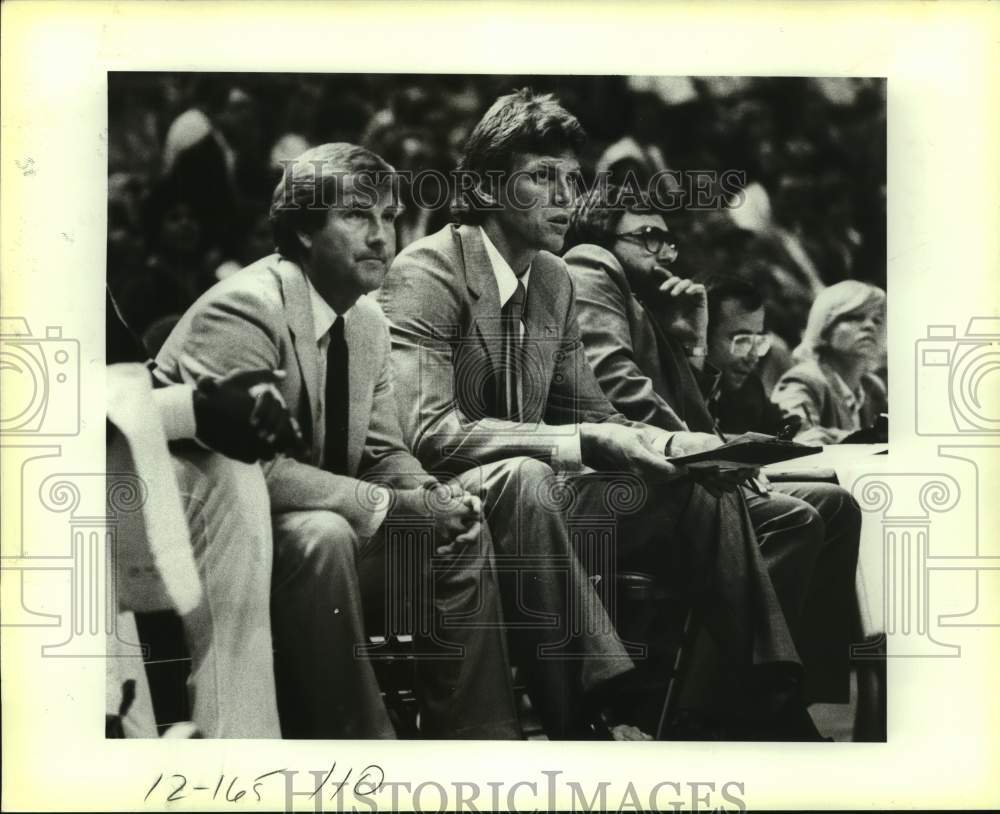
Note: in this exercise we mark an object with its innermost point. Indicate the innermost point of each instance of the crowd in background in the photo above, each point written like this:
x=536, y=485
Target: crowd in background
x=193, y=160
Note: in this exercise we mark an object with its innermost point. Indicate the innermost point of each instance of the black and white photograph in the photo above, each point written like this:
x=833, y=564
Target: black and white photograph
x=448, y=406
x=513, y=352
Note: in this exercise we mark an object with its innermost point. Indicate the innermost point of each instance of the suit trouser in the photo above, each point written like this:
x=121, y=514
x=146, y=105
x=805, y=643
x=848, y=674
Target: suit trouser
x=706, y=547
x=790, y=535
x=325, y=579
x=229, y=633
x=829, y=610
x=559, y=631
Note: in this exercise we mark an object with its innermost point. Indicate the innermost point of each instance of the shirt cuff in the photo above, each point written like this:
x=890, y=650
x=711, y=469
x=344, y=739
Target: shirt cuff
x=382, y=499
x=568, y=456
x=175, y=405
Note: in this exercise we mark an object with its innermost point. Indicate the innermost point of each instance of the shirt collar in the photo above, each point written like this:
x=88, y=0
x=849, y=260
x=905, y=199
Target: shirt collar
x=323, y=315
x=506, y=279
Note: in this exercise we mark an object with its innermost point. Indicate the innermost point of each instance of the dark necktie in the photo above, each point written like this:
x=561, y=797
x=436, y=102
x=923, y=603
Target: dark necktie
x=336, y=401
x=509, y=396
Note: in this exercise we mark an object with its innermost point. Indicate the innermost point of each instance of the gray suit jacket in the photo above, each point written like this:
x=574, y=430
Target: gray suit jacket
x=443, y=304
x=261, y=317
x=644, y=371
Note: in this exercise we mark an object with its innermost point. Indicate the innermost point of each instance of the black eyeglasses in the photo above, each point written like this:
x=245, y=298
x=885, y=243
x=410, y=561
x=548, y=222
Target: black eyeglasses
x=650, y=238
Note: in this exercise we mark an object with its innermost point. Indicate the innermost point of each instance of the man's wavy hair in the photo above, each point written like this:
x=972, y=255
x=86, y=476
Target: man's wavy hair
x=597, y=214
x=313, y=183
x=520, y=122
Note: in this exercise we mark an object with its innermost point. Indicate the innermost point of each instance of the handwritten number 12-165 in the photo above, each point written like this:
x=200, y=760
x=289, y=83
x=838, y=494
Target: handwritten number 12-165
x=181, y=782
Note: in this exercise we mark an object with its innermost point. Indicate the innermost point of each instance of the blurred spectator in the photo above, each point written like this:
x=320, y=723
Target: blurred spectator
x=252, y=238
x=177, y=268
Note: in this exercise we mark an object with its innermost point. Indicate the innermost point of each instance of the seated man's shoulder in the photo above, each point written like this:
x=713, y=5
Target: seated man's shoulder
x=256, y=287
x=368, y=313
x=427, y=274
x=593, y=267
x=440, y=250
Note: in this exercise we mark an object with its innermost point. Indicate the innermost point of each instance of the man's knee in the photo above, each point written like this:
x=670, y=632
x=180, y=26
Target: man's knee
x=842, y=515
x=226, y=507
x=846, y=508
x=805, y=517
x=535, y=481
x=839, y=510
x=318, y=540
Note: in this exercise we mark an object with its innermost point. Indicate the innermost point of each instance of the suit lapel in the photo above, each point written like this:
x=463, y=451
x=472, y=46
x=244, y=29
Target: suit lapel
x=483, y=286
x=298, y=315
x=360, y=373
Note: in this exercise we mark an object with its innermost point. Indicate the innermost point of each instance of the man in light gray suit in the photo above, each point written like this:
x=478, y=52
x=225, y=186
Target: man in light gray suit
x=303, y=310
x=491, y=371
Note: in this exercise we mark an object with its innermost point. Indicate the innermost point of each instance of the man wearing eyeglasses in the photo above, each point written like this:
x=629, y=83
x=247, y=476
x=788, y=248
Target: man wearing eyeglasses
x=737, y=342
x=646, y=335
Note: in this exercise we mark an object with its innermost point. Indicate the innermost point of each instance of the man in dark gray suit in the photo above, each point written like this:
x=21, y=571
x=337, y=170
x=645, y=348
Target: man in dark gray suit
x=646, y=332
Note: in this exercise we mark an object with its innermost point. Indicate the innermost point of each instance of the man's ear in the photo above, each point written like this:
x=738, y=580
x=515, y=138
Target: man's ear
x=486, y=194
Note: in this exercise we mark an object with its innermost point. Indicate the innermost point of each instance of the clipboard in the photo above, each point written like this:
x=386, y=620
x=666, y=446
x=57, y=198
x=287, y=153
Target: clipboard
x=749, y=449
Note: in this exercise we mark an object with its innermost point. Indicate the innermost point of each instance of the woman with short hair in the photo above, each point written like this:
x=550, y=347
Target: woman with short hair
x=834, y=385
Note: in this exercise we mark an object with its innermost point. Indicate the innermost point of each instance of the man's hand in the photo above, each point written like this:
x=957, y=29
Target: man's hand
x=817, y=435
x=614, y=448
x=691, y=443
x=717, y=481
x=457, y=514
x=685, y=305
x=243, y=416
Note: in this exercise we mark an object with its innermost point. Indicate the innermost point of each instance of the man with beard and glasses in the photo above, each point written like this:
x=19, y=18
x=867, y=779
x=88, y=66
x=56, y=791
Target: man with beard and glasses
x=647, y=336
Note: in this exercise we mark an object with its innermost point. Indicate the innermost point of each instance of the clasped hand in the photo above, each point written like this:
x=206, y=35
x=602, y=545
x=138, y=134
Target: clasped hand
x=457, y=513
